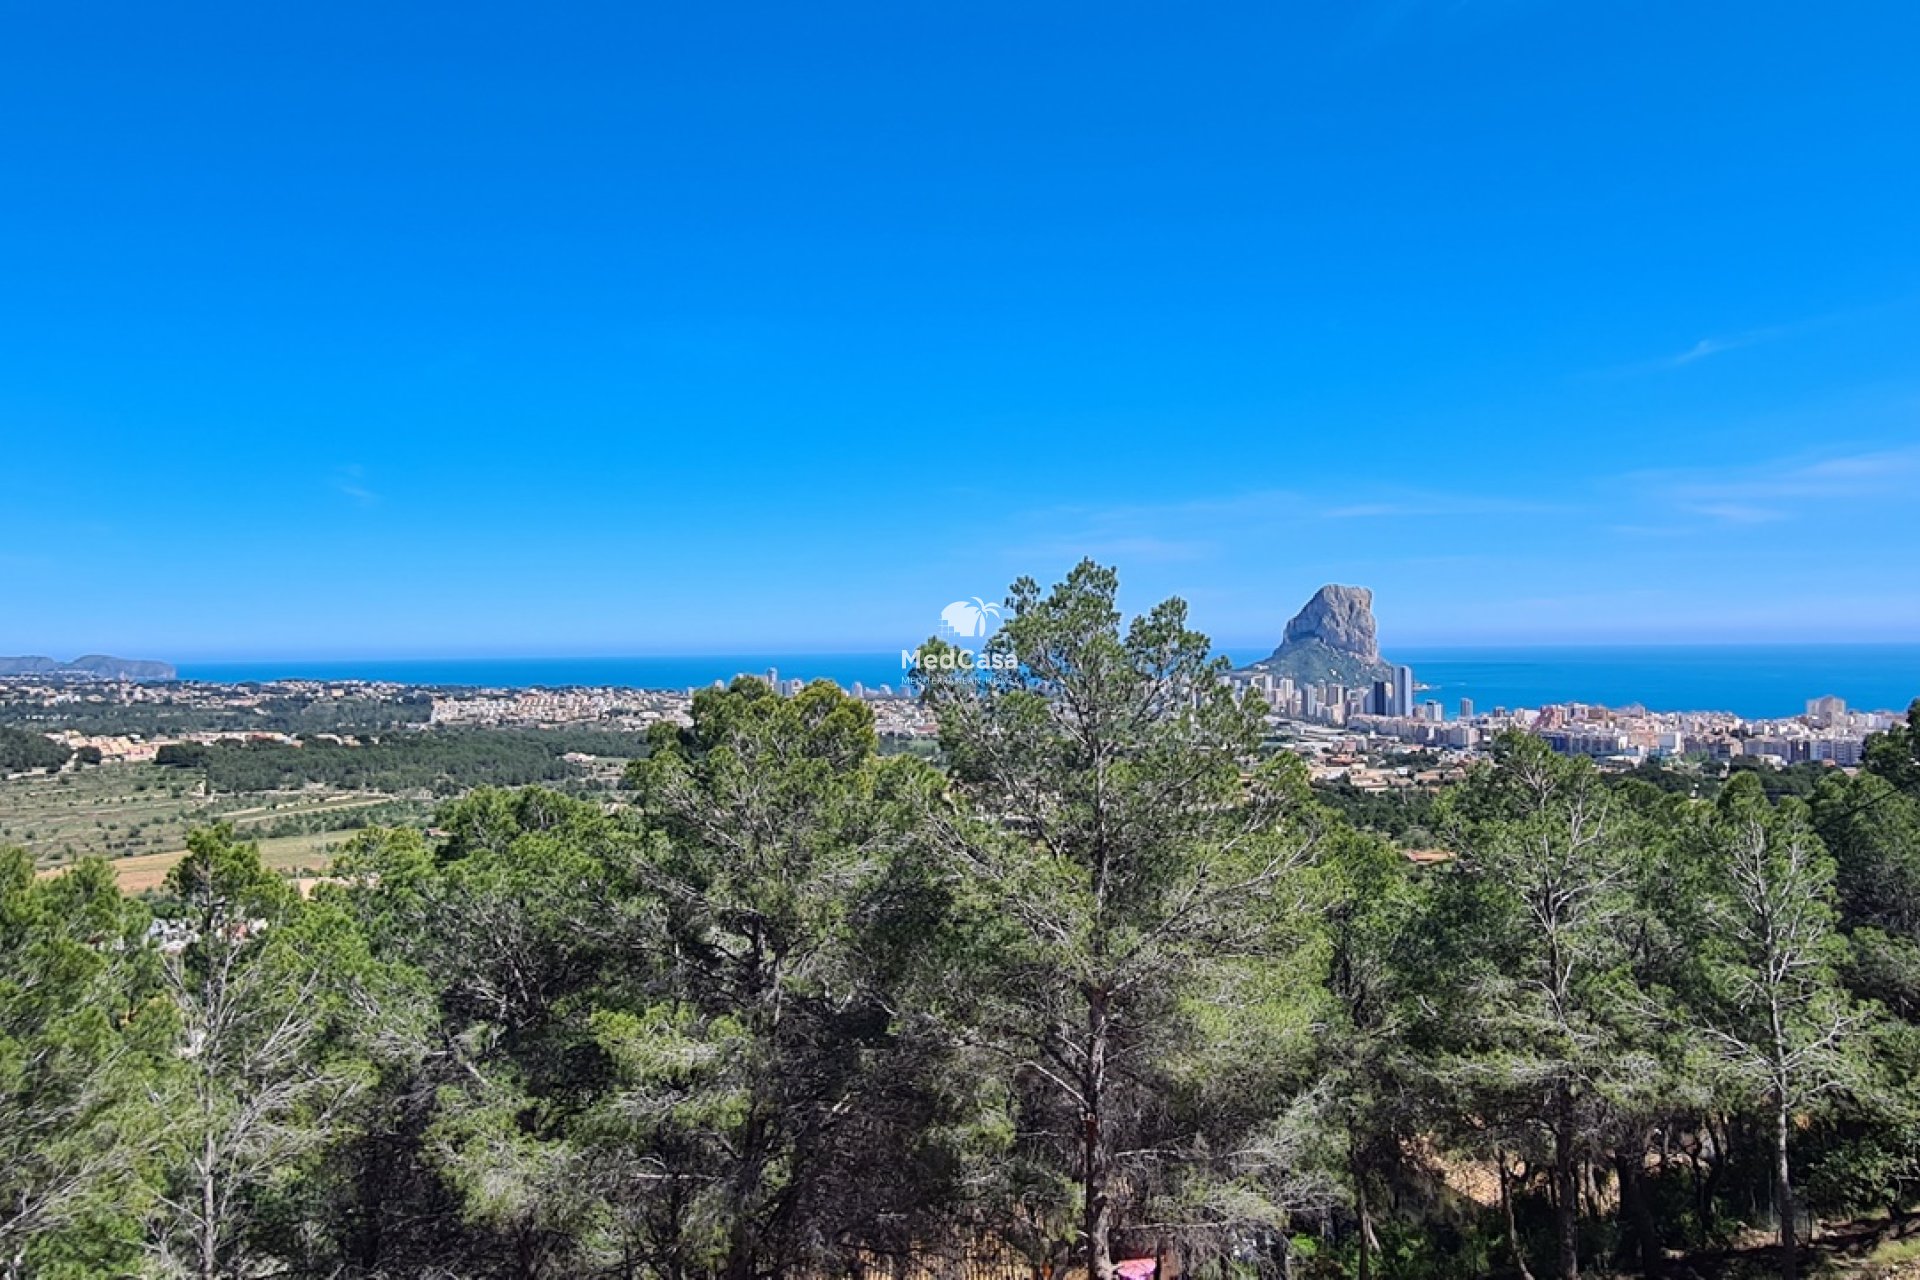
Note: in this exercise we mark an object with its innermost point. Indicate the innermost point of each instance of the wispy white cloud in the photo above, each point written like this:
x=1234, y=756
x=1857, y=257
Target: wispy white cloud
x=1736, y=512
x=1782, y=488
x=1716, y=346
x=1850, y=475
x=1720, y=344
x=350, y=481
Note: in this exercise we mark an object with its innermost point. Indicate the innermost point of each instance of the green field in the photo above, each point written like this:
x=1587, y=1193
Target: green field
x=139, y=815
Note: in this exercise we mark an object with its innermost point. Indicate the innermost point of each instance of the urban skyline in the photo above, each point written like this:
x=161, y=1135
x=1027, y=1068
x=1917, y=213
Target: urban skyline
x=1319, y=720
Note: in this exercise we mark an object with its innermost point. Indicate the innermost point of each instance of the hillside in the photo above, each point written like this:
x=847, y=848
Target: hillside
x=93, y=666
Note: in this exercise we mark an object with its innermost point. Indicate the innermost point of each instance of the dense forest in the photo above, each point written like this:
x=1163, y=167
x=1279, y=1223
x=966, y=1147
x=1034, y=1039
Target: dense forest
x=1105, y=979
x=161, y=715
x=1406, y=813
x=21, y=752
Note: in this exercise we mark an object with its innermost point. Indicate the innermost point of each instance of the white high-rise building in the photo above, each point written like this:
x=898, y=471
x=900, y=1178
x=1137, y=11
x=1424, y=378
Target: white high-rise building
x=1403, y=691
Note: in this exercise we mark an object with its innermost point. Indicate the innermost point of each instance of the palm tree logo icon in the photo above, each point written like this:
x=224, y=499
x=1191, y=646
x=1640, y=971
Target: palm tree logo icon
x=967, y=619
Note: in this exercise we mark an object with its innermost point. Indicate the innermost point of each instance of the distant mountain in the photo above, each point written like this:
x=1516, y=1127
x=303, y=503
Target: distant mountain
x=95, y=666
x=1333, y=640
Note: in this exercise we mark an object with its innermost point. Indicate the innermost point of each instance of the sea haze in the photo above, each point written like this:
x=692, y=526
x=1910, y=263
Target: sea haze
x=1750, y=680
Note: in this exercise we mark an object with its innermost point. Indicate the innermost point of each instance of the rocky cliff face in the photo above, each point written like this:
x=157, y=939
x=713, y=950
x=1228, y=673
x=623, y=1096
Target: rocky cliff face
x=1333, y=640
x=1340, y=618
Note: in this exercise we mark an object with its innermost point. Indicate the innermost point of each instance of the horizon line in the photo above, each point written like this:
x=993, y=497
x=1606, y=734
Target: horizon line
x=843, y=650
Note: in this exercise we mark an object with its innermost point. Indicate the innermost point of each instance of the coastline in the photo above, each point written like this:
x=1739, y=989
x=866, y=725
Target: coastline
x=1748, y=680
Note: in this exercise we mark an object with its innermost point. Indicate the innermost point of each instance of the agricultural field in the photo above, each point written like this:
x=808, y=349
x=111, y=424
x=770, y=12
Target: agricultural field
x=299, y=857
x=138, y=815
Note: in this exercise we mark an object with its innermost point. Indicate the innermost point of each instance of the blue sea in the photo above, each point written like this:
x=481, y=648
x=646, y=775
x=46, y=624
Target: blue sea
x=1749, y=680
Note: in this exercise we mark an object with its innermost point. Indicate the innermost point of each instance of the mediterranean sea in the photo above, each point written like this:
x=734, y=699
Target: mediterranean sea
x=1749, y=680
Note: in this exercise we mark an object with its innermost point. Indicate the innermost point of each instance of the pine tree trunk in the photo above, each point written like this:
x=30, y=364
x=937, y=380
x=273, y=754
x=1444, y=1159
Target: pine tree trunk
x=1716, y=1171
x=1637, y=1213
x=1566, y=1201
x=1094, y=1155
x=209, y=1232
x=741, y=1246
x=1366, y=1222
x=1783, y=1188
x=1506, y=1211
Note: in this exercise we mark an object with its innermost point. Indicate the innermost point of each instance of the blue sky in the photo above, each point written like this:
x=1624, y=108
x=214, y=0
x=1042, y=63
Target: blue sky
x=482, y=329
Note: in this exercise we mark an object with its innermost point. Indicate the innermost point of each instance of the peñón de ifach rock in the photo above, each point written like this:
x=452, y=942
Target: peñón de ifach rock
x=1333, y=640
